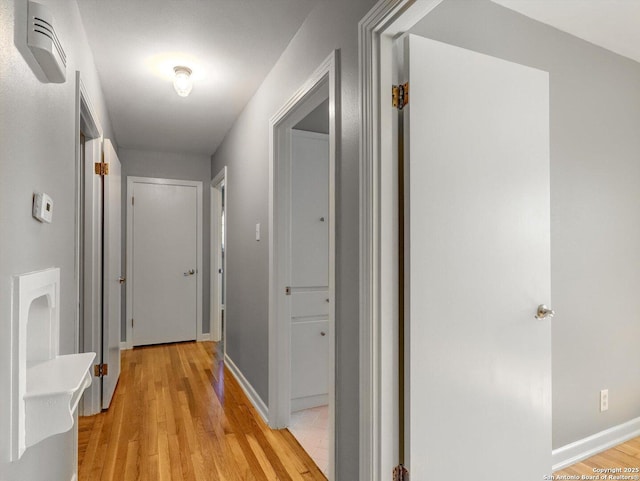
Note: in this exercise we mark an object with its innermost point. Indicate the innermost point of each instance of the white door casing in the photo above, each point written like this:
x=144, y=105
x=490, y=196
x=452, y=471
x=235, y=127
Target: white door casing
x=164, y=265
x=112, y=273
x=477, y=264
x=323, y=83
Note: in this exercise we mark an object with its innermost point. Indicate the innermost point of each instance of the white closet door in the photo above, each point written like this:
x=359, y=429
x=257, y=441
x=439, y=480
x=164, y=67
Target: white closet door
x=164, y=263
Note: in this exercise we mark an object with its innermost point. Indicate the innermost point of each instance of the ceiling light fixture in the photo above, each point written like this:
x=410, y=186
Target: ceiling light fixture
x=182, y=82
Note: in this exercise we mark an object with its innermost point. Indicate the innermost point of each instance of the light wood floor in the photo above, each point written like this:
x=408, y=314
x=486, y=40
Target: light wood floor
x=179, y=415
x=626, y=455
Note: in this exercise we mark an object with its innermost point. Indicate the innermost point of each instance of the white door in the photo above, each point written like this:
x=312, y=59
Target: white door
x=478, y=265
x=218, y=275
x=309, y=298
x=112, y=272
x=164, y=263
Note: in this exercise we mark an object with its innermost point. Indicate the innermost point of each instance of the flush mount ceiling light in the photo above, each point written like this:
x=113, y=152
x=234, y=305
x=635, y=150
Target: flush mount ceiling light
x=182, y=82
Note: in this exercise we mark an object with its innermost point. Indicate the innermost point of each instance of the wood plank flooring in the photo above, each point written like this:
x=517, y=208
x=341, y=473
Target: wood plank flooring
x=179, y=415
x=626, y=455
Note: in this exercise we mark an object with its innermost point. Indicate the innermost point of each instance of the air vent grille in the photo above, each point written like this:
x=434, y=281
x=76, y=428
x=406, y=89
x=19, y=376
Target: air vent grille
x=45, y=44
x=45, y=28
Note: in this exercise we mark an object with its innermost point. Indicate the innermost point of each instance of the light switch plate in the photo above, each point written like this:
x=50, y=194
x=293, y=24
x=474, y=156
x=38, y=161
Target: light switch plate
x=257, y=232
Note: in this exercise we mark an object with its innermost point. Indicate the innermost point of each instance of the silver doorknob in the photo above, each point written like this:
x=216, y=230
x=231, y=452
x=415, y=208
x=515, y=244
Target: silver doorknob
x=322, y=333
x=544, y=312
x=122, y=280
x=189, y=273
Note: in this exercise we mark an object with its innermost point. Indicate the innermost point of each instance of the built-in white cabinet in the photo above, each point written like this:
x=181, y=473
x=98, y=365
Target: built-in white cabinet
x=310, y=355
x=309, y=209
x=309, y=270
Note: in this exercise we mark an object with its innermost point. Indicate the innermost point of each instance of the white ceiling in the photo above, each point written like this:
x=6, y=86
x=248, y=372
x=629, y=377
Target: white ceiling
x=229, y=44
x=612, y=24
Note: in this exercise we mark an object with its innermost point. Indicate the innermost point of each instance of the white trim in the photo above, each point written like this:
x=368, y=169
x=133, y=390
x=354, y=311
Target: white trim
x=594, y=444
x=311, y=94
x=205, y=337
x=199, y=219
x=91, y=402
x=246, y=386
x=74, y=477
x=378, y=423
x=215, y=326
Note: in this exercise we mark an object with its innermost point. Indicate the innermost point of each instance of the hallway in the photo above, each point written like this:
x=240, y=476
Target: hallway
x=179, y=415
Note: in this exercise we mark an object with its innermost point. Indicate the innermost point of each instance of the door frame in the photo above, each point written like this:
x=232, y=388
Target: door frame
x=90, y=283
x=218, y=199
x=323, y=83
x=379, y=301
x=129, y=252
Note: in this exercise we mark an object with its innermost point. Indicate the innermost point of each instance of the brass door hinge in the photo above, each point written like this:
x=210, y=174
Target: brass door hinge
x=101, y=370
x=400, y=95
x=102, y=168
x=400, y=473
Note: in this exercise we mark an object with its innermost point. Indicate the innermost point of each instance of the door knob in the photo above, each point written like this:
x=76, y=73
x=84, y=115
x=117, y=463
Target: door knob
x=189, y=273
x=544, y=312
x=122, y=280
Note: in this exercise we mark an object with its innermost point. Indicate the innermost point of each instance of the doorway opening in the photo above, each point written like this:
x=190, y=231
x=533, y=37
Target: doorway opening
x=88, y=240
x=218, y=259
x=98, y=253
x=302, y=320
x=444, y=248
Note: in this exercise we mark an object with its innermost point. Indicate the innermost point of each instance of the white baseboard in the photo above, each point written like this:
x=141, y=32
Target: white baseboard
x=74, y=477
x=589, y=446
x=125, y=346
x=205, y=336
x=257, y=402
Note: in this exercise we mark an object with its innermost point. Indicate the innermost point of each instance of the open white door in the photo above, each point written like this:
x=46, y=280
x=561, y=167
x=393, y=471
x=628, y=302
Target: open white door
x=112, y=274
x=477, y=248
x=218, y=246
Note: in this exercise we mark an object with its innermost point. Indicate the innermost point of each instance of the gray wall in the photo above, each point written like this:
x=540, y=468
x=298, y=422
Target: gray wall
x=332, y=25
x=169, y=165
x=37, y=153
x=595, y=200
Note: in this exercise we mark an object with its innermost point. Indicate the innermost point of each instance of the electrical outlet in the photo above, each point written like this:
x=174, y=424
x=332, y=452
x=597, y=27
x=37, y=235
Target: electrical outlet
x=604, y=400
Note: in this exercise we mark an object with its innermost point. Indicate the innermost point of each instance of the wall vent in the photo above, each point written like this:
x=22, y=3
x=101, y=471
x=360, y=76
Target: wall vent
x=44, y=43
